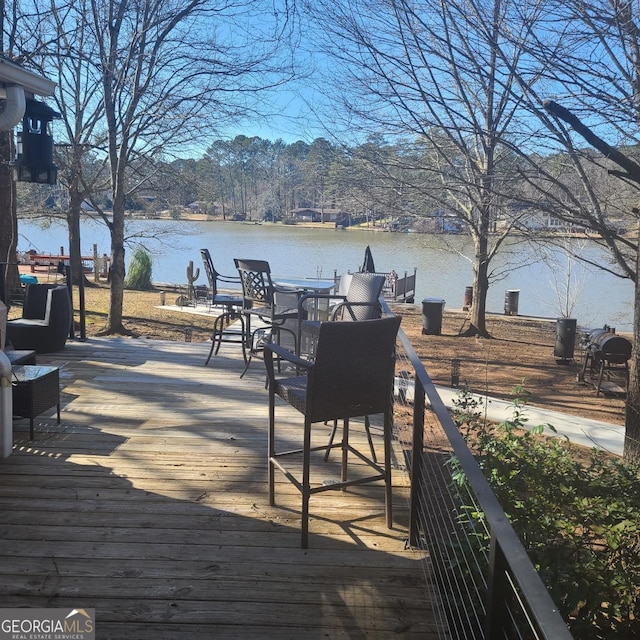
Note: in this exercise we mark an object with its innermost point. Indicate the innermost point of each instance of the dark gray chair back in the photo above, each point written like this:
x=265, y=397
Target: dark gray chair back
x=46, y=319
x=362, y=299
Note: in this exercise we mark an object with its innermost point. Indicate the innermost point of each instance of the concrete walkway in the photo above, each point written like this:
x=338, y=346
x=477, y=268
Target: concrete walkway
x=583, y=431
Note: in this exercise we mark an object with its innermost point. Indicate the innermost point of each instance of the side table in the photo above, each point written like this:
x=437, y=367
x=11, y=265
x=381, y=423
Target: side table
x=20, y=356
x=36, y=388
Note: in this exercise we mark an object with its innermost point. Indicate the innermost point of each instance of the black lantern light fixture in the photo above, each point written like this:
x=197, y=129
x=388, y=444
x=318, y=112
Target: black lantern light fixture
x=34, y=159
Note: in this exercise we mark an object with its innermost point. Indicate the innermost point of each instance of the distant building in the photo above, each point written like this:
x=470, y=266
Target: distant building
x=313, y=214
x=529, y=218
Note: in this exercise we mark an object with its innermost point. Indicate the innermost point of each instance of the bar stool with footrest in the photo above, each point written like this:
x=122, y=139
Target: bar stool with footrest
x=351, y=376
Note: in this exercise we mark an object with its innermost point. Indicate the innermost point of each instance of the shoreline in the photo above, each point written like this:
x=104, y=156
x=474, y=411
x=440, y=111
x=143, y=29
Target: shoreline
x=203, y=217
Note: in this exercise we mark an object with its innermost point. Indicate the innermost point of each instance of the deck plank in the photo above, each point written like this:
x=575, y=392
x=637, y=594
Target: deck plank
x=148, y=503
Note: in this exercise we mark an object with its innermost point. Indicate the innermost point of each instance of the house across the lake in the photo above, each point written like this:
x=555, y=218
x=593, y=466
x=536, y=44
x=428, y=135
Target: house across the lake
x=338, y=217
x=313, y=214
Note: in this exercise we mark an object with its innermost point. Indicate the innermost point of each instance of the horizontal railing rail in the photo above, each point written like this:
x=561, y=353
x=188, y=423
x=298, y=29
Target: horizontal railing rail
x=487, y=586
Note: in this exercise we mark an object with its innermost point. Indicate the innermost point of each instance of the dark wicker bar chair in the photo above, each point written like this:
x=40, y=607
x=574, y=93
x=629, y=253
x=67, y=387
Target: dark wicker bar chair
x=223, y=331
x=352, y=376
x=264, y=302
x=360, y=302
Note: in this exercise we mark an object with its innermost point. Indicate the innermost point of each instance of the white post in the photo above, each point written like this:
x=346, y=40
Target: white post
x=6, y=397
x=6, y=407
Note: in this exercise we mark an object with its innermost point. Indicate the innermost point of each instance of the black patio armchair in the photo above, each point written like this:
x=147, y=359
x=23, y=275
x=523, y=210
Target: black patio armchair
x=46, y=319
x=351, y=376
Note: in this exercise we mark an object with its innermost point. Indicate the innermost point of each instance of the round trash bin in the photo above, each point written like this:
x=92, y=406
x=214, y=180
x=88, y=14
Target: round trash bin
x=511, y=298
x=432, y=310
x=565, y=339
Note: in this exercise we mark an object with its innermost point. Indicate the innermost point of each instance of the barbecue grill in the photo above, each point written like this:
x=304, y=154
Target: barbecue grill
x=605, y=350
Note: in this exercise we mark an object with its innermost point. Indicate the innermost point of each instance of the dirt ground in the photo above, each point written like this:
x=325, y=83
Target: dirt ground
x=521, y=350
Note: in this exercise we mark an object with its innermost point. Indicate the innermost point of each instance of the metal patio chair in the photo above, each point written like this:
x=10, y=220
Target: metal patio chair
x=352, y=375
x=223, y=331
x=265, y=303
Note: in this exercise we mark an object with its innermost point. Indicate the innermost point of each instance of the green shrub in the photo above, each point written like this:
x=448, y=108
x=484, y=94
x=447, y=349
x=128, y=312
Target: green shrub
x=577, y=514
x=139, y=274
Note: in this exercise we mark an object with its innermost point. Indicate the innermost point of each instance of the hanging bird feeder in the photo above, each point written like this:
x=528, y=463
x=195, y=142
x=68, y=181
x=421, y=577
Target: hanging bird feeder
x=34, y=160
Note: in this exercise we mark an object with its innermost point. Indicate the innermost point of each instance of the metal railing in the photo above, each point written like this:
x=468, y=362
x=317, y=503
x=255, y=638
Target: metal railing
x=485, y=582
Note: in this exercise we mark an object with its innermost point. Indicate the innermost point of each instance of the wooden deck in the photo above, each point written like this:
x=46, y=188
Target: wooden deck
x=148, y=503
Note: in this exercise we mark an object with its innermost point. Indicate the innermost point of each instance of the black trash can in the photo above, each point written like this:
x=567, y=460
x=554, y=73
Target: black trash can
x=565, y=339
x=432, y=311
x=511, y=298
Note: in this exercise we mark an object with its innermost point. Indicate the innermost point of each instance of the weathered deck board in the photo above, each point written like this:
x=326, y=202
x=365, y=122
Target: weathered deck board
x=148, y=503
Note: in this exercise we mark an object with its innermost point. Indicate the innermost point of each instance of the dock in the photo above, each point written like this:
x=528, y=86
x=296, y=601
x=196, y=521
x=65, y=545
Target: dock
x=34, y=262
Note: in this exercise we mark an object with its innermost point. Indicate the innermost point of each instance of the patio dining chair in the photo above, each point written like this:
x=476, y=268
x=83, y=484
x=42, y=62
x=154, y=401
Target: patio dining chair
x=361, y=301
x=217, y=299
x=351, y=376
x=223, y=330
x=269, y=306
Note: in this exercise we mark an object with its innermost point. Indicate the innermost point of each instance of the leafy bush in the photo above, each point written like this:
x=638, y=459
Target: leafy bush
x=139, y=275
x=577, y=514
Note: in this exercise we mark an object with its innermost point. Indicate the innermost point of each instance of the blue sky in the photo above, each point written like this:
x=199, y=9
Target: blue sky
x=292, y=118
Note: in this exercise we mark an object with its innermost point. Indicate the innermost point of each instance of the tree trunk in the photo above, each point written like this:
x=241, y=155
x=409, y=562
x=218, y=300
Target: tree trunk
x=8, y=217
x=75, y=248
x=117, y=270
x=631, y=450
x=478, y=322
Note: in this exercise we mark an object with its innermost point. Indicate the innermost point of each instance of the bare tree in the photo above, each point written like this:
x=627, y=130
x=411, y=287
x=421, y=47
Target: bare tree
x=566, y=280
x=163, y=78
x=434, y=71
x=82, y=162
x=594, y=80
x=630, y=171
x=163, y=74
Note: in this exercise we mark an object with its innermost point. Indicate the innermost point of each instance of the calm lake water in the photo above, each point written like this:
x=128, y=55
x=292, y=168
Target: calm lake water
x=443, y=268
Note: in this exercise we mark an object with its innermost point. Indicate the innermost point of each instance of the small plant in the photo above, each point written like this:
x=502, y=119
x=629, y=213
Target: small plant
x=576, y=514
x=192, y=276
x=139, y=275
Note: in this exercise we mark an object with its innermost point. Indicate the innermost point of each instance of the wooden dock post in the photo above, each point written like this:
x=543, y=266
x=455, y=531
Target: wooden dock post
x=96, y=264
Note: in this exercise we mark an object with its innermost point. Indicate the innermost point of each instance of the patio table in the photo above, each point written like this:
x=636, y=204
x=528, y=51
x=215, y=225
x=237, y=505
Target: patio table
x=303, y=286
